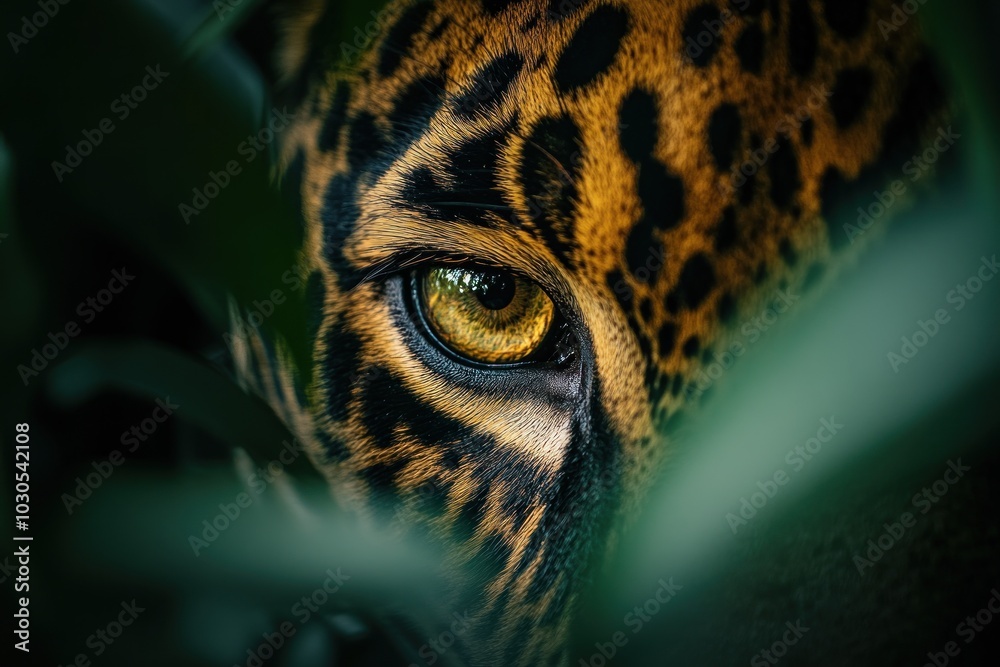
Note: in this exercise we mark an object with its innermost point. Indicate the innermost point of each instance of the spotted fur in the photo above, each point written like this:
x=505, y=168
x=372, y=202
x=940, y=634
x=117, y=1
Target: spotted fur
x=595, y=147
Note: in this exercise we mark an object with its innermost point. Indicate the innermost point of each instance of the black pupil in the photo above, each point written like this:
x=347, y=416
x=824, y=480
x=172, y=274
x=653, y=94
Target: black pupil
x=494, y=290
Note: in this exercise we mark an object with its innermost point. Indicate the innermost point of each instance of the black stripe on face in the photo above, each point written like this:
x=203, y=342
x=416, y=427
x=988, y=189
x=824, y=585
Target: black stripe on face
x=339, y=369
x=468, y=190
x=414, y=109
x=489, y=86
x=387, y=405
x=400, y=37
x=592, y=49
x=329, y=136
x=339, y=214
x=366, y=141
x=549, y=169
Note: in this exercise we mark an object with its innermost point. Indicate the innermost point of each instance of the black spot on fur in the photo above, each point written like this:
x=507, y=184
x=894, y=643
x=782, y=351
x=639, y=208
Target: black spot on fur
x=638, y=125
x=748, y=7
x=400, y=37
x=691, y=347
x=329, y=136
x=643, y=252
x=725, y=232
x=592, y=49
x=646, y=309
x=662, y=197
x=548, y=173
x=783, y=168
x=788, y=252
x=699, y=38
x=489, y=85
x=725, y=128
x=381, y=477
x=846, y=17
x=834, y=188
x=620, y=288
x=366, y=141
x=438, y=30
x=494, y=7
x=808, y=130
x=672, y=302
x=342, y=348
x=802, y=38
x=560, y=9
x=748, y=189
x=727, y=308
x=851, y=95
x=750, y=48
x=667, y=338
x=697, y=280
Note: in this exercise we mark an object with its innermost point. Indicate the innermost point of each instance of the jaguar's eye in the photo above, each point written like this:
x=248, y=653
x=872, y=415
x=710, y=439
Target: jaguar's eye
x=487, y=316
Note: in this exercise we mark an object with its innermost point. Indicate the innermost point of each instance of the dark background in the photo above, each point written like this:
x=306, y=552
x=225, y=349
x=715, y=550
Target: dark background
x=163, y=336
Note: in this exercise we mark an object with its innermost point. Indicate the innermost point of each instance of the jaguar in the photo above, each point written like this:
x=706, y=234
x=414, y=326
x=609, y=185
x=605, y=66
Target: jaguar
x=529, y=225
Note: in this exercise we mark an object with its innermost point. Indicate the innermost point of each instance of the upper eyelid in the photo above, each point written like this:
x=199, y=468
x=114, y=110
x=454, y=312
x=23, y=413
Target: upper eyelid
x=416, y=259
